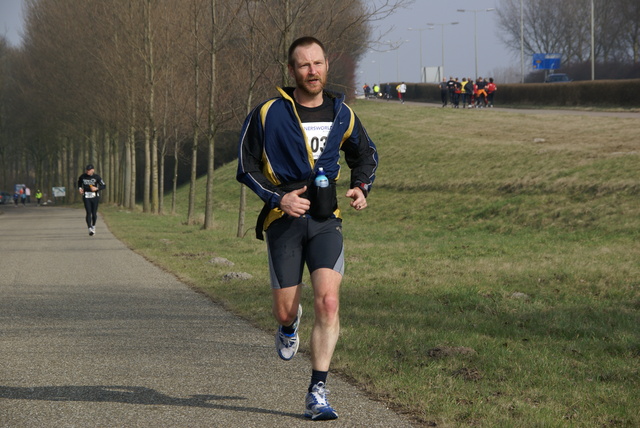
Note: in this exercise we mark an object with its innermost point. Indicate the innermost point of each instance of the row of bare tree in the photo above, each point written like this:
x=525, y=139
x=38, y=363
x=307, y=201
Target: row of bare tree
x=564, y=27
x=126, y=85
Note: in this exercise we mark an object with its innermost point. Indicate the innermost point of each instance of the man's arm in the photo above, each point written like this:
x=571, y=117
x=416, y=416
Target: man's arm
x=250, y=161
x=101, y=183
x=361, y=156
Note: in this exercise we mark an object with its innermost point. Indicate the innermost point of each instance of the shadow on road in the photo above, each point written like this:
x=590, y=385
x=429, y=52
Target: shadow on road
x=128, y=395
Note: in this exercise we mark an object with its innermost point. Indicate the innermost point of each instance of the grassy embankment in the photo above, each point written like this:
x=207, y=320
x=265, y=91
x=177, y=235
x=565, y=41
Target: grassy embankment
x=494, y=279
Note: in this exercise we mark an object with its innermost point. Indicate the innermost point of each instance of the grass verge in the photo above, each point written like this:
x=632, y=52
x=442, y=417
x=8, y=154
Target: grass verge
x=493, y=280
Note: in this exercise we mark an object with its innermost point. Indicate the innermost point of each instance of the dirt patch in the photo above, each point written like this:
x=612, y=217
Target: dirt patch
x=468, y=374
x=450, y=351
x=236, y=276
x=192, y=256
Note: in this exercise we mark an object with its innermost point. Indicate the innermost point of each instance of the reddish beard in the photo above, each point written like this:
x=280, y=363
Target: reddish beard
x=305, y=85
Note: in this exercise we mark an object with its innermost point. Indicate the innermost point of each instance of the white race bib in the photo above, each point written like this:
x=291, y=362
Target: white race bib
x=89, y=195
x=317, y=133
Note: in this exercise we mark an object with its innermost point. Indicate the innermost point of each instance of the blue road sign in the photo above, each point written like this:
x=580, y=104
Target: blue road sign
x=547, y=61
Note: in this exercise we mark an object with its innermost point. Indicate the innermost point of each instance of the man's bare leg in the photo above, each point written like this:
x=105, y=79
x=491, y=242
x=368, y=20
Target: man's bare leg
x=285, y=304
x=326, y=327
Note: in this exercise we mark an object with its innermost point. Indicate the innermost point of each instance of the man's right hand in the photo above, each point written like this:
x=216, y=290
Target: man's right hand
x=292, y=204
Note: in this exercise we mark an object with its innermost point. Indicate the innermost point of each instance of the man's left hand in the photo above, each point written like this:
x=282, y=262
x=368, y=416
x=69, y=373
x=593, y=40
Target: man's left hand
x=359, y=202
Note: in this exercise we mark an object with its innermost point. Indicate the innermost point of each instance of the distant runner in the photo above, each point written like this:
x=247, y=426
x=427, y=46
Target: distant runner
x=89, y=186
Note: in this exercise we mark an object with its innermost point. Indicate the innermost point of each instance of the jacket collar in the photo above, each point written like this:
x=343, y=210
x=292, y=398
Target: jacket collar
x=287, y=93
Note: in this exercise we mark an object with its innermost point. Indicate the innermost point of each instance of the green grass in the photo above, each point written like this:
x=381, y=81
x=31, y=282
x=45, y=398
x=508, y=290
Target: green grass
x=525, y=254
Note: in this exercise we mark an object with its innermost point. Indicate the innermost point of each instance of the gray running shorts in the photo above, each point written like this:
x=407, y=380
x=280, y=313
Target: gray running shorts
x=292, y=242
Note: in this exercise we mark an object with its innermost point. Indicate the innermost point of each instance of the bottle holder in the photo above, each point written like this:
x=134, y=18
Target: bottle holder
x=324, y=200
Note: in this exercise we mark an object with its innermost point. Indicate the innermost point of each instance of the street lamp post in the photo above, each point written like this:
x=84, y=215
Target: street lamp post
x=442, y=38
x=420, y=30
x=521, y=42
x=475, y=30
x=593, y=43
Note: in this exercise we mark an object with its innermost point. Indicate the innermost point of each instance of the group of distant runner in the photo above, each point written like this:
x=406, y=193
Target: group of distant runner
x=453, y=92
x=478, y=94
x=376, y=91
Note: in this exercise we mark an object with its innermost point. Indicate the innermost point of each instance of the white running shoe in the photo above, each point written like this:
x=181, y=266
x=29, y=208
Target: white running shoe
x=316, y=406
x=92, y=231
x=287, y=344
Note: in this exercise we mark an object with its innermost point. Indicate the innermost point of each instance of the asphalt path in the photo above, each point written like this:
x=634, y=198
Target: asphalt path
x=93, y=335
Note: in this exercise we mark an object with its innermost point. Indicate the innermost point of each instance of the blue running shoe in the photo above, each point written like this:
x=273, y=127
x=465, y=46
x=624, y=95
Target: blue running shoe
x=287, y=344
x=317, y=407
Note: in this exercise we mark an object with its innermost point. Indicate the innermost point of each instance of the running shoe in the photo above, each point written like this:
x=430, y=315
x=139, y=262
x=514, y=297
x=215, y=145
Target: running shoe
x=92, y=231
x=317, y=407
x=287, y=344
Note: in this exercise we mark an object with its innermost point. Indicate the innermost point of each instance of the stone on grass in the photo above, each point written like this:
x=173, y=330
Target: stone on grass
x=522, y=296
x=221, y=261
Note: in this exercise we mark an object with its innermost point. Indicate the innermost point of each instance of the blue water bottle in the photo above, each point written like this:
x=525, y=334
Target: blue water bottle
x=322, y=197
x=321, y=179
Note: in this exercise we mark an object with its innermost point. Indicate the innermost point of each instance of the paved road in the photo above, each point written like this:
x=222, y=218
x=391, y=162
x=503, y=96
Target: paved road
x=93, y=335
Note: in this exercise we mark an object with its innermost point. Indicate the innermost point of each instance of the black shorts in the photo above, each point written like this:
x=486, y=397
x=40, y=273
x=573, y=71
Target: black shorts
x=292, y=242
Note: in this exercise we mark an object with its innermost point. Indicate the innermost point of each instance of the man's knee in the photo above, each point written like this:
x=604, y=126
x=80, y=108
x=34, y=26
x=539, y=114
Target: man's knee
x=326, y=307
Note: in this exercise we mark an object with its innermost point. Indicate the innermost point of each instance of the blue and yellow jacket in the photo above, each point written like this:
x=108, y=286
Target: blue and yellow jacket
x=273, y=154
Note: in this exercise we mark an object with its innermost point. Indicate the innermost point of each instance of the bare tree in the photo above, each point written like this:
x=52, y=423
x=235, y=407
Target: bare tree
x=630, y=10
x=565, y=27
x=196, y=53
x=211, y=128
x=94, y=82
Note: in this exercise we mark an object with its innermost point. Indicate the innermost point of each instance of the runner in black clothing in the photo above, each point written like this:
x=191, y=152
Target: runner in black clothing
x=89, y=185
x=451, y=86
x=444, y=91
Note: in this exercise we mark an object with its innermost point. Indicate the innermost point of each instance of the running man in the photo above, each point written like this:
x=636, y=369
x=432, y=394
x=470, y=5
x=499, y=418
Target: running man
x=401, y=88
x=89, y=186
x=284, y=142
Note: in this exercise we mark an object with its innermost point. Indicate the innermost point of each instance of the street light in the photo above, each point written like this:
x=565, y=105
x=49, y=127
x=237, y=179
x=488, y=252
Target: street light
x=475, y=29
x=420, y=30
x=521, y=42
x=442, y=28
x=593, y=43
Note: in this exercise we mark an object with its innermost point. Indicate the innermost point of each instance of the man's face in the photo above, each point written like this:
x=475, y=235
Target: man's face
x=310, y=69
x=90, y=171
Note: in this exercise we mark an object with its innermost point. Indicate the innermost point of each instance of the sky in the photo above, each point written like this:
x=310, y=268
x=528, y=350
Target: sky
x=402, y=63
x=11, y=20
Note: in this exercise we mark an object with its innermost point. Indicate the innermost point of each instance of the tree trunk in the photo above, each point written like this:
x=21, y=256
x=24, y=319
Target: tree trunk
x=148, y=129
x=196, y=125
x=174, y=189
x=208, y=214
